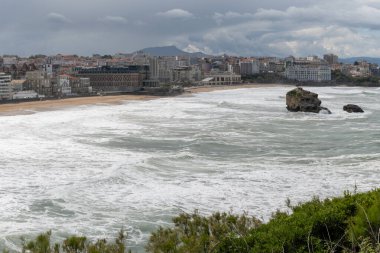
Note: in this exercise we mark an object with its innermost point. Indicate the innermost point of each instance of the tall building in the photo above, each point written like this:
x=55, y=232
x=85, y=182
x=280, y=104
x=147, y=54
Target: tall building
x=249, y=67
x=331, y=58
x=5, y=86
x=154, y=68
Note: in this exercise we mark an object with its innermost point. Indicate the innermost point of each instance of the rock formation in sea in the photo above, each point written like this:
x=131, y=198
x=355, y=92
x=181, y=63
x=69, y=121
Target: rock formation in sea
x=350, y=108
x=300, y=100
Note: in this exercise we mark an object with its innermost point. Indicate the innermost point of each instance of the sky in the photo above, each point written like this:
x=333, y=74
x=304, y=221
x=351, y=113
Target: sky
x=235, y=27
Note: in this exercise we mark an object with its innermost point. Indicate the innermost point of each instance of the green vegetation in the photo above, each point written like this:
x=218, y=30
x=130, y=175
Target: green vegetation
x=266, y=78
x=294, y=93
x=220, y=232
x=108, y=57
x=75, y=244
x=348, y=224
x=341, y=78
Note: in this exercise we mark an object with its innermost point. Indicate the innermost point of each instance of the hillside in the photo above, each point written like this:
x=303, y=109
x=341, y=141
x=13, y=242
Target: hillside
x=367, y=59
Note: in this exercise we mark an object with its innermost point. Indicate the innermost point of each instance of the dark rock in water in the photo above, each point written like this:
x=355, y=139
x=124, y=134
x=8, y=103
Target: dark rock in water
x=352, y=108
x=300, y=100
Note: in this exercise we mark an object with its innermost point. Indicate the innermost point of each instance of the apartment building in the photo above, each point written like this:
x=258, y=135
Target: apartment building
x=308, y=69
x=115, y=79
x=5, y=86
x=317, y=73
x=39, y=81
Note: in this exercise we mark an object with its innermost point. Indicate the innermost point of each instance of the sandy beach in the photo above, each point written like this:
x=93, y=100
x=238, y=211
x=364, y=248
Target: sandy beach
x=56, y=104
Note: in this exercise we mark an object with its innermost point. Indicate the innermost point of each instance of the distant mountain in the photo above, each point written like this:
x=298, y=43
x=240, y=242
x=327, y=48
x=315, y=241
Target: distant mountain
x=367, y=59
x=170, y=51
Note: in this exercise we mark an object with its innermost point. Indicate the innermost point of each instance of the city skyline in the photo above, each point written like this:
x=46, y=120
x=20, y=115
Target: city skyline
x=237, y=28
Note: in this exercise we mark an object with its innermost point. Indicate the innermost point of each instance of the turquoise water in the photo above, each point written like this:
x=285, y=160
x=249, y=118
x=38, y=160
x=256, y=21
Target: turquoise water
x=95, y=169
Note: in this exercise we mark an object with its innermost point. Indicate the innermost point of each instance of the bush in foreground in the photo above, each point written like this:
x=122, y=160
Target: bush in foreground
x=348, y=224
x=75, y=244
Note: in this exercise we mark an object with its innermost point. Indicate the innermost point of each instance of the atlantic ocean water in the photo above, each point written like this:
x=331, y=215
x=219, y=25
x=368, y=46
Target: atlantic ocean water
x=93, y=170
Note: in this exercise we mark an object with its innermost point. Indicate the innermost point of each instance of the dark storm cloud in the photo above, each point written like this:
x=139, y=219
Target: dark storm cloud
x=242, y=27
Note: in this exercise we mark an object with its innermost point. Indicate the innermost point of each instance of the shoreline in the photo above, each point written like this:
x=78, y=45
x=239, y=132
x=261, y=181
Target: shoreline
x=30, y=107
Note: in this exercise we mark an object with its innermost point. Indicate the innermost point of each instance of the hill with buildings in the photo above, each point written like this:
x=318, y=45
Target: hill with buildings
x=352, y=60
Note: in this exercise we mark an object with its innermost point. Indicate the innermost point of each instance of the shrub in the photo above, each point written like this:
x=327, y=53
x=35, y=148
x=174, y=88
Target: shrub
x=315, y=226
x=75, y=244
x=348, y=224
x=221, y=232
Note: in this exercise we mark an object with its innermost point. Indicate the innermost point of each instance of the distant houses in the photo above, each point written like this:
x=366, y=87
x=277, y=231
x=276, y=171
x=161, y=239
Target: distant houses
x=71, y=75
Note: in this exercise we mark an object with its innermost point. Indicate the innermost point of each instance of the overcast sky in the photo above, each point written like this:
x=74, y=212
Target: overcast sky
x=236, y=27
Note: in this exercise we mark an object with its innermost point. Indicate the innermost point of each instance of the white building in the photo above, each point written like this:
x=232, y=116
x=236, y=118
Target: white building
x=26, y=94
x=5, y=86
x=221, y=78
x=48, y=69
x=9, y=60
x=308, y=72
x=312, y=58
x=64, y=87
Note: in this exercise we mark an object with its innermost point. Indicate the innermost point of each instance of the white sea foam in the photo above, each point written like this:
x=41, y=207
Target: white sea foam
x=95, y=169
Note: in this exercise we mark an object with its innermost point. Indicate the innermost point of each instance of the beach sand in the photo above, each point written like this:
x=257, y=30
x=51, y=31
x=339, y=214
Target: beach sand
x=56, y=104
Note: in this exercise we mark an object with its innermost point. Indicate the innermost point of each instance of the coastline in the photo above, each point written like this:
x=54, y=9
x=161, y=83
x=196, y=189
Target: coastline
x=24, y=108
x=57, y=104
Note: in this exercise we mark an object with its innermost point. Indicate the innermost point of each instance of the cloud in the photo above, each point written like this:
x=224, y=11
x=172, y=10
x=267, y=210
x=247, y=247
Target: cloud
x=57, y=18
x=343, y=27
x=240, y=27
x=176, y=13
x=230, y=15
x=114, y=20
x=194, y=49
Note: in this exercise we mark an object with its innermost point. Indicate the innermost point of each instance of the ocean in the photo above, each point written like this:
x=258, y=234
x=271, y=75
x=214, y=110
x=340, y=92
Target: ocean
x=93, y=170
